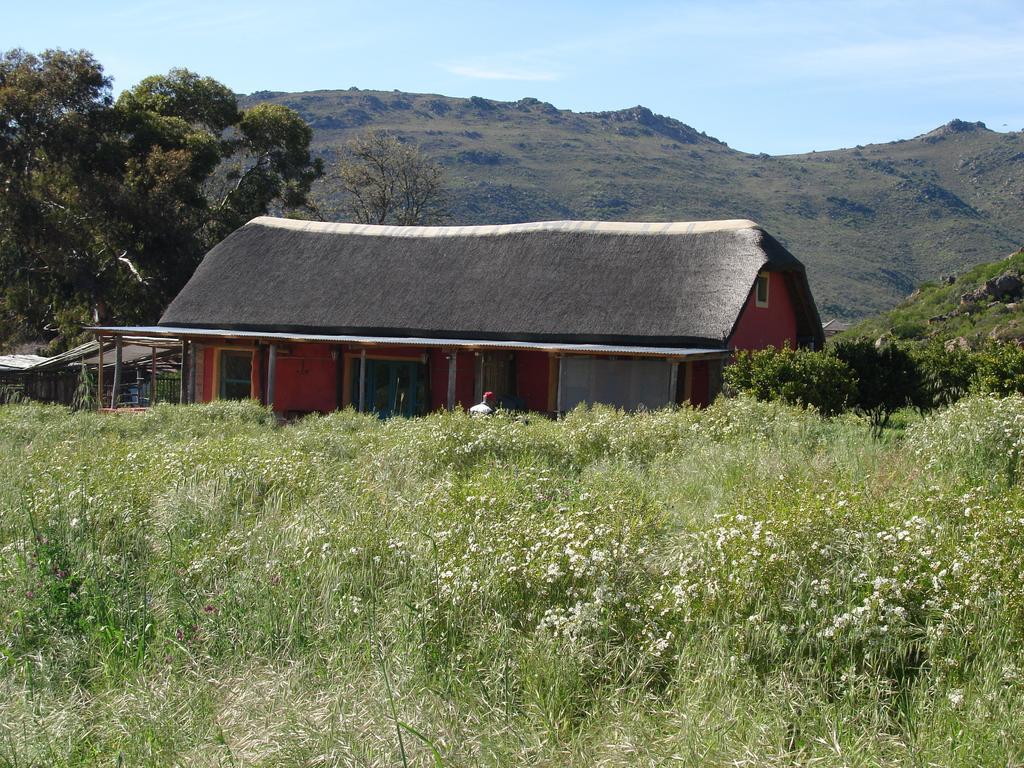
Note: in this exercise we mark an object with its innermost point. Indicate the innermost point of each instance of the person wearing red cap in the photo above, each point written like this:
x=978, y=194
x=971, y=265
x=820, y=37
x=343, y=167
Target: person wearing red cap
x=487, y=407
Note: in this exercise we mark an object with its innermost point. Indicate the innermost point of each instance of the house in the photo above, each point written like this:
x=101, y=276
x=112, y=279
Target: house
x=313, y=316
x=834, y=327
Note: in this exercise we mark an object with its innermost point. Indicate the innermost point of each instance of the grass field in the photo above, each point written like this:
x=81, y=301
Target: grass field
x=748, y=585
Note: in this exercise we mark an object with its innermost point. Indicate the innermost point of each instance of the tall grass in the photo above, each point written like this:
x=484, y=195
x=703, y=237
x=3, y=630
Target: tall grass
x=749, y=584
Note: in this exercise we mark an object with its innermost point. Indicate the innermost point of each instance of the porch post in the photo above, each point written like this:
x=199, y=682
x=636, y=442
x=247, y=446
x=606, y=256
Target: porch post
x=552, y=382
x=478, y=377
x=362, y=381
x=452, y=358
x=561, y=371
x=255, y=386
x=115, y=390
x=183, y=393
x=716, y=368
x=673, y=381
x=271, y=375
x=152, y=380
x=99, y=375
x=192, y=372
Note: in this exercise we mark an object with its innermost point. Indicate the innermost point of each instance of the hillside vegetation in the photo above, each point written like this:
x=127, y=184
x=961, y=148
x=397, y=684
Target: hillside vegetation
x=985, y=303
x=870, y=222
x=747, y=585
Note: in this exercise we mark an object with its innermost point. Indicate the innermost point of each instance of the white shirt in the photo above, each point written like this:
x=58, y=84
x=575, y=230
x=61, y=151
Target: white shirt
x=481, y=409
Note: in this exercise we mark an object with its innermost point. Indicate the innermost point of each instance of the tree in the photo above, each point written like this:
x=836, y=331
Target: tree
x=57, y=168
x=106, y=208
x=888, y=379
x=389, y=182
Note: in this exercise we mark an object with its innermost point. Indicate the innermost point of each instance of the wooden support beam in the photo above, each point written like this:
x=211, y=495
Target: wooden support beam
x=115, y=390
x=716, y=369
x=255, y=386
x=673, y=382
x=552, y=382
x=192, y=372
x=561, y=372
x=99, y=375
x=478, y=377
x=362, y=381
x=340, y=378
x=152, y=380
x=452, y=362
x=183, y=393
x=271, y=375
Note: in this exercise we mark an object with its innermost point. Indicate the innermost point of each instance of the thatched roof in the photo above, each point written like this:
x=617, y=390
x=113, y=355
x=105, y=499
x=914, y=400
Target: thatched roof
x=599, y=282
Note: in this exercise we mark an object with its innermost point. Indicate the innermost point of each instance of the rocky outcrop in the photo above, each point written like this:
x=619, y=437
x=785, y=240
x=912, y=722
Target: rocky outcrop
x=640, y=120
x=958, y=343
x=951, y=128
x=1006, y=286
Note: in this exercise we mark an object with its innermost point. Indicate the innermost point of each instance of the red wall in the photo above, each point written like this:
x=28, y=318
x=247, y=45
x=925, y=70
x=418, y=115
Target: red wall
x=760, y=327
x=699, y=384
x=307, y=375
x=306, y=378
x=465, y=372
x=532, y=371
x=437, y=370
x=207, y=388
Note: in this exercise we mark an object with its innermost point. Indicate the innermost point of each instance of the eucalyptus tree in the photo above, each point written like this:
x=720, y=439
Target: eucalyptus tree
x=106, y=207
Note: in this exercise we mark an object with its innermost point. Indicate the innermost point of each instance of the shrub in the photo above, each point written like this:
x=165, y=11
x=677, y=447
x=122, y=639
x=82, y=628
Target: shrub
x=799, y=377
x=945, y=374
x=980, y=439
x=999, y=369
x=909, y=329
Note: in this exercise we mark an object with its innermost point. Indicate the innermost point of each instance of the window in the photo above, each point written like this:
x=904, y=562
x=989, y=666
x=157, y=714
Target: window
x=235, y=370
x=762, y=290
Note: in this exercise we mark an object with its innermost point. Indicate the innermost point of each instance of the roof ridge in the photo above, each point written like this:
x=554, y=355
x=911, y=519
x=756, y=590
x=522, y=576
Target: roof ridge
x=483, y=230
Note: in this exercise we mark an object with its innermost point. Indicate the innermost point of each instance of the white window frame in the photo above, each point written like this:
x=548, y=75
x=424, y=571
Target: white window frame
x=762, y=276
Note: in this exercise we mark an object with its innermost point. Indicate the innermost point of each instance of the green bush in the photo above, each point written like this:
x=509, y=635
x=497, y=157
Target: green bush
x=946, y=375
x=909, y=329
x=798, y=377
x=999, y=369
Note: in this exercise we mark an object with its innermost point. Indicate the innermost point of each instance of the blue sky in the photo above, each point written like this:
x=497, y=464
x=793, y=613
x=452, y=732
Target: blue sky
x=764, y=76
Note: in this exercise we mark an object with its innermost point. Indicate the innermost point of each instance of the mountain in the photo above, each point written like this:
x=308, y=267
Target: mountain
x=869, y=222
x=986, y=302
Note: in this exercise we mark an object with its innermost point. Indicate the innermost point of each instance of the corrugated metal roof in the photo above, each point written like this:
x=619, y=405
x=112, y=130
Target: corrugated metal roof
x=71, y=357
x=88, y=353
x=410, y=341
x=19, y=362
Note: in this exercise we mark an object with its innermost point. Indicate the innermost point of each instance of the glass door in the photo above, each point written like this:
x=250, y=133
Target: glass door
x=393, y=387
x=235, y=373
